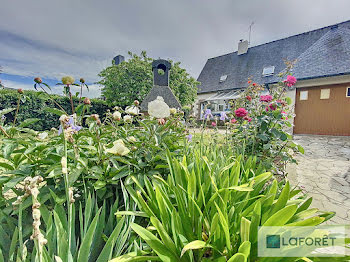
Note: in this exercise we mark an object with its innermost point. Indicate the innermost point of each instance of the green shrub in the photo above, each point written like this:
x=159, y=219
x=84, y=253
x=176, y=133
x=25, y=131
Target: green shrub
x=34, y=104
x=210, y=206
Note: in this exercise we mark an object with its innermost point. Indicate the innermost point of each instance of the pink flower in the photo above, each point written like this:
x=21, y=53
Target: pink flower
x=233, y=120
x=272, y=107
x=291, y=80
x=241, y=112
x=284, y=115
x=267, y=98
x=213, y=124
x=249, y=119
x=249, y=98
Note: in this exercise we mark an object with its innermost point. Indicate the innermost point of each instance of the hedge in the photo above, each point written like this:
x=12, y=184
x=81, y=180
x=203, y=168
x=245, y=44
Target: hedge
x=33, y=105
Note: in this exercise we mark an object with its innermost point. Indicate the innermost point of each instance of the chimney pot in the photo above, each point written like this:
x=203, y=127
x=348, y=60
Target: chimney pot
x=118, y=59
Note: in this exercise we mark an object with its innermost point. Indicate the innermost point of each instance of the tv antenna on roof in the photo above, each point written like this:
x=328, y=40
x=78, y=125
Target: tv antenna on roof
x=250, y=31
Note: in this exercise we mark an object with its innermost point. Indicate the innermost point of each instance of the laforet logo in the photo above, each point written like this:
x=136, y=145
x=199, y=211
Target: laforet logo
x=273, y=241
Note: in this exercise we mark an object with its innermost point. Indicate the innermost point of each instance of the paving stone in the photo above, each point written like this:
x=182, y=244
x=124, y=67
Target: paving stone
x=324, y=172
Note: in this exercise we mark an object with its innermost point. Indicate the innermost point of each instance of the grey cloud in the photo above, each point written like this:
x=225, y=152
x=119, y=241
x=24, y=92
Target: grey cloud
x=81, y=37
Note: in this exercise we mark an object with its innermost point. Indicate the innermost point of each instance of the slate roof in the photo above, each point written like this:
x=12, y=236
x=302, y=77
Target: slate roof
x=321, y=52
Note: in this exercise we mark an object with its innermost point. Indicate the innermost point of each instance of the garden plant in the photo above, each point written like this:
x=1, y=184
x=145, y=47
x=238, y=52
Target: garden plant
x=130, y=186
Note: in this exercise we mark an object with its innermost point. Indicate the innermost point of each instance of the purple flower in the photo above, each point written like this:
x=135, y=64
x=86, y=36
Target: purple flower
x=223, y=116
x=207, y=113
x=189, y=138
x=70, y=124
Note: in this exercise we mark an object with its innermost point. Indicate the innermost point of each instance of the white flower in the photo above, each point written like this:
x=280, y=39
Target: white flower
x=158, y=108
x=43, y=135
x=173, y=111
x=131, y=139
x=117, y=115
x=127, y=118
x=118, y=148
x=132, y=110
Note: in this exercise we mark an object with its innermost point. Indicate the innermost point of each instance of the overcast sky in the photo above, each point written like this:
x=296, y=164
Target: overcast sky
x=80, y=37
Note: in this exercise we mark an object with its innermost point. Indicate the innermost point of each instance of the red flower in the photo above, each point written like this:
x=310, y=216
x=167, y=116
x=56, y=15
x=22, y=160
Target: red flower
x=233, y=120
x=254, y=84
x=266, y=98
x=241, y=112
x=249, y=98
x=291, y=80
x=249, y=82
x=213, y=124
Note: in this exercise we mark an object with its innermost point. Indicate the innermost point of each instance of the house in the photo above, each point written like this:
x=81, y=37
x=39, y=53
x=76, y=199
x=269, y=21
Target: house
x=321, y=96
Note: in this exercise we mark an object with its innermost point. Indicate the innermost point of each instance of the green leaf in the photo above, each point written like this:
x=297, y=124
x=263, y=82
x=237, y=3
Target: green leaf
x=244, y=248
x=197, y=244
x=28, y=122
x=281, y=217
x=6, y=111
x=157, y=246
x=54, y=111
x=84, y=250
x=107, y=250
x=238, y=257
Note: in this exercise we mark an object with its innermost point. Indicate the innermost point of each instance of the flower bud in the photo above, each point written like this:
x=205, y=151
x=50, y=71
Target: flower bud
x=136, y=102
x=173, y=111
x=95, y=117
x=87, y=101
x=161, y=121
x=20, y=91
x=38, y=80
x=67, y=80
x=117, y=115
x=98, y=121
x=82, y=80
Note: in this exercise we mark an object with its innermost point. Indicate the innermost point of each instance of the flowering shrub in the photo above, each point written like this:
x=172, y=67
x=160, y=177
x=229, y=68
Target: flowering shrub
x=262, y=126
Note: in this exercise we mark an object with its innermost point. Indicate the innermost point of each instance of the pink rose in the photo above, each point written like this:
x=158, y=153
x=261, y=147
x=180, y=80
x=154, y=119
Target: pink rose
x=249, y=119
x=272, y=107
x=267, y=98
x=241, y=112
x=291, y=80
x=213, y=124
x=233, y=120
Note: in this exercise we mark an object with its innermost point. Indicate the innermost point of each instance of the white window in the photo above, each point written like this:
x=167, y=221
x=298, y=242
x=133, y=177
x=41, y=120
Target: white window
x=348, y=92
x=304, y=95
x=325, y=93
x=223, y=78
x=268, y=71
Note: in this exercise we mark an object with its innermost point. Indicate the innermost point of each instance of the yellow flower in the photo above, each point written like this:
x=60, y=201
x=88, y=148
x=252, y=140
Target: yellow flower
x=67, y=80
x=173, y=111
x=118, y=148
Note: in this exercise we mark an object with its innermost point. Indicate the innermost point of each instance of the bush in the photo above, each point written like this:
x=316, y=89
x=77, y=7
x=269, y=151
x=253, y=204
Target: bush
x=34, y=105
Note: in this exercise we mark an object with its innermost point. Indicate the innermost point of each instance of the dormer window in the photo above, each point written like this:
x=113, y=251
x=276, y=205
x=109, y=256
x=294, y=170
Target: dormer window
x=223, y=78
x=268, y=71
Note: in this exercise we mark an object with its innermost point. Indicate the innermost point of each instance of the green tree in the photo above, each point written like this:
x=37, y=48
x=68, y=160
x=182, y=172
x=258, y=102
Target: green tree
x=133, y=79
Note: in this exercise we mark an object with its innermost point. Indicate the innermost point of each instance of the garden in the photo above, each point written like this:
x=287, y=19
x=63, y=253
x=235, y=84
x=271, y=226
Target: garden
x=99, y=182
